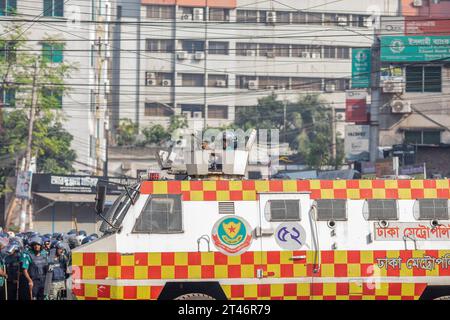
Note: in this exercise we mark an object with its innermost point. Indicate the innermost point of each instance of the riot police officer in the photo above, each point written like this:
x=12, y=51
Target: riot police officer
x=34, y=267
x=12, y=262
x=3, y=275
x=57, y=270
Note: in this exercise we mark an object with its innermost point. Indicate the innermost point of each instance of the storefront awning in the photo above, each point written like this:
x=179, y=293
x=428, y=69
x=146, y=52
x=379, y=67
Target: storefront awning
x=73, y=197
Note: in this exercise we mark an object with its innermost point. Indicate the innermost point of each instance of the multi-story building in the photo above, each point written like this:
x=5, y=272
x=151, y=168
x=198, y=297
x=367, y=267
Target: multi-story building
x=83, y=27
x=415, y=83
x=205, y=59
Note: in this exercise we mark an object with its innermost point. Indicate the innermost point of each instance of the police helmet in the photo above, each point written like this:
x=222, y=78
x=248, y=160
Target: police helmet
x=35, y=240
x=11, y=248
x=60, y=245
x=71, y=232
x=82, y=233
x=45, y=239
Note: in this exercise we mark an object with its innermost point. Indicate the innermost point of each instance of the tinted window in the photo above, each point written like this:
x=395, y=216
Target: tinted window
x=430, y=209
x=161, y=214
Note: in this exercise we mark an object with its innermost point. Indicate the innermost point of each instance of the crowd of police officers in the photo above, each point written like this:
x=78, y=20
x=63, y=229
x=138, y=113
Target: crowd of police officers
x=36, y=267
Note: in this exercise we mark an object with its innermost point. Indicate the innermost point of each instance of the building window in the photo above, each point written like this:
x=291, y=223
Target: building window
x=329, y=52
x=299, y=18
x=52, y=53
x=53, y=8
x=273, y=82
x=155, y=109
x=192, y=80
x=266, y=49
x=329, y=19
x=423, y=137
x=328, y=209
x=215, y=47
x=92, y=101
x=281, y=50
x=218, y=112
x=8, y=7
x=192, y=46
x=195, y=111
x=162, y=214
x=423, y=79
x=246, y=49
x=283, y=17
x=282, y=210
x=160, y=12
x=8, y=97
x=343, y=53
x=164, y=79
x=219, y=14
x=314, y=18
x=306, y=51
x=306, y=84
x=377, y=209
x=217, y=80
x=242, y=82
x=8, y=51
x=52, y=98
x=159, y=45
x=247, y=16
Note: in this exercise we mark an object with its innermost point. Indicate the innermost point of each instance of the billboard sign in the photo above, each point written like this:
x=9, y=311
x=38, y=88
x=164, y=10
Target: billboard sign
x=361, y=67
x=414, y=48
x=357, y=142
x=356, y=106
x=23, y=187
x=424, y=26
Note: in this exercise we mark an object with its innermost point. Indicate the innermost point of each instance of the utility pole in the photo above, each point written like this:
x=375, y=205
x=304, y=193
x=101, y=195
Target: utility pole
x=375, y=101
x=205, y=80
x=333, y=130
x=34, y=100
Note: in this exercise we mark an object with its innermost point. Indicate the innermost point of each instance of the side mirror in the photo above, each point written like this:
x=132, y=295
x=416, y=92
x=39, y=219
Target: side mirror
x=100, y=198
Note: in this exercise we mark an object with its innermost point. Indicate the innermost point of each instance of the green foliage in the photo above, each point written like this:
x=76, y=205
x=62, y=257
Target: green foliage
x=177, y=122
x=308, y=128
x=50, y=143
x=156, y=134
x=127, y=133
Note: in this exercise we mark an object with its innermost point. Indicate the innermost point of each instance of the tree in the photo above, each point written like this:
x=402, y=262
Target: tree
x=51, y=144
x=127, y=133
x=156, y=134
x=308, y=126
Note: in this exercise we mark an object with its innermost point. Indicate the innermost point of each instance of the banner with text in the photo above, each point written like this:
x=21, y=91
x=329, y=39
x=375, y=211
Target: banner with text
x=361, y=67
x=415, y=48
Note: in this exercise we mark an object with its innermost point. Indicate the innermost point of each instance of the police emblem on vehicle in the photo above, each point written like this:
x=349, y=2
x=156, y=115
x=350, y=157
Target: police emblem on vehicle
x=232, y=235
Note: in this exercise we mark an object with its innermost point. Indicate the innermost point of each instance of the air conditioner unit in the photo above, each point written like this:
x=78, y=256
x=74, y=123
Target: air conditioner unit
x=150, y=82
x=186, y=16
x=306, y=55
x=392, y=87
x=342, y=20
x=417, y=3
x=400, y=106
x=252, y=85
x=221, y=83
x=270, y=54
x=197, y=115
x=182, y=55
x=330, y=88
x=271, y=17
x=186, y=114
x=250, y=53
x=199, y=55
x=166, y=83
x=315, y=55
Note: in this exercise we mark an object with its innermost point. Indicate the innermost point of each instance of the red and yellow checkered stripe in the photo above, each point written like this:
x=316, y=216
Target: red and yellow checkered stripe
x=223, y=190
x=284, y=291
x=275, y=264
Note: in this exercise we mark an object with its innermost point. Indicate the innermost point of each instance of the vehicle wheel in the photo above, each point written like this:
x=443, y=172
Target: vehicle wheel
x=194, y=296
x=442, y=298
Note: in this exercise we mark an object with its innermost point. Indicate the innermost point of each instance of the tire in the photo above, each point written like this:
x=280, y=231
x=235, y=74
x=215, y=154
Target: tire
x=194, y=296
x=442, y=298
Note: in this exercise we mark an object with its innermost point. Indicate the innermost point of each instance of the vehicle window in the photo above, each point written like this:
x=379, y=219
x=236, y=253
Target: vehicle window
x=378, y=209
x=161, y=214
x=119, y=209
x=331, y=209
x=433, y=209
x=282, y=210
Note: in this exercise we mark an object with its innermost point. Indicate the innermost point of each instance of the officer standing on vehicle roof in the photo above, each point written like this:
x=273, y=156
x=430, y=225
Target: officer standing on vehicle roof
x=3, y=276
x=56, y=276
x=34, y=267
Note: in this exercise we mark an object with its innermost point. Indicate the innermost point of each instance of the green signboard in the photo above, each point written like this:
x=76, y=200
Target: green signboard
x=361, y=68
x=415, y=48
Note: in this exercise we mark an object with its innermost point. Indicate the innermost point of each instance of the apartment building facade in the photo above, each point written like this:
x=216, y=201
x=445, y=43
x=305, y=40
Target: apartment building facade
x=82, y=30
x=415, y=83
x=206, y=59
